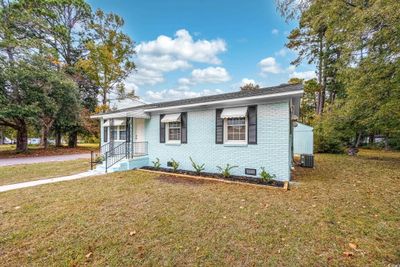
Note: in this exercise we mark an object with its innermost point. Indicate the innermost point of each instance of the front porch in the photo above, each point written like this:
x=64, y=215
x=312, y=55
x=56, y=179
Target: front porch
x=123, y=141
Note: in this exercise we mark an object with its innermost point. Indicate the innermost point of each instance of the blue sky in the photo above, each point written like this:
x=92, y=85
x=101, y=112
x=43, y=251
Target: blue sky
x=193, y=48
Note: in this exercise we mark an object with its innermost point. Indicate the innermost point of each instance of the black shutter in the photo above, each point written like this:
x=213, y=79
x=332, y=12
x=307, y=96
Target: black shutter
x=219, y=127
x=162, y=129
x=184, y=127
x=252, y=125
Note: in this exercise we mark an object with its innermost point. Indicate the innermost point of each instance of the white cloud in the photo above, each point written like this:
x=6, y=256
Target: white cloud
x=282, y=52
x=269, y=65
x=210, y=75
x=179, y=93
x=207, y=75
x=275, y=31
x=247, y=81
x=184, y=47
x=166, y=54
x=306, y=75
x=145, y=76
x=291, y=68
x=162, y=63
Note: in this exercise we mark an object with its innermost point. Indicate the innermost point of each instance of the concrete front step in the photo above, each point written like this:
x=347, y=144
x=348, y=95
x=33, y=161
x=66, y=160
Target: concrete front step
x=124, y=165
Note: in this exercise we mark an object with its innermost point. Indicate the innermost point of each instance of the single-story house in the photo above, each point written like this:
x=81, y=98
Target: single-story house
x=249, y=129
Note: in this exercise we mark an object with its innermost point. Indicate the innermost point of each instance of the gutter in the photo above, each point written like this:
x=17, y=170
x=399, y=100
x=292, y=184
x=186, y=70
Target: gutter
x=293, y=93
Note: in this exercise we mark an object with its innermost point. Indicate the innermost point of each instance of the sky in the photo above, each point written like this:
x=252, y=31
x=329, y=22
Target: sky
x=187, y=48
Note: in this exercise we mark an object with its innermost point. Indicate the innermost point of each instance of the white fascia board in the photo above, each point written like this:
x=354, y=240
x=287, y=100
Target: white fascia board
x=258, y=97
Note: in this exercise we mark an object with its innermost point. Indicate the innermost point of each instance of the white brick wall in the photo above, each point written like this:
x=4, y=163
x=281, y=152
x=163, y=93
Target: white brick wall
x=271, y=151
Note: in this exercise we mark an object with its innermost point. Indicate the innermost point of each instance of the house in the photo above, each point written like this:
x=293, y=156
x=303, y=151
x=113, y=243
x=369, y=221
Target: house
x=250, y=129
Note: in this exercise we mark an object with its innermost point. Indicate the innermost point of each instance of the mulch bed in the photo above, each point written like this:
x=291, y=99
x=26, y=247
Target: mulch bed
x=234, y=178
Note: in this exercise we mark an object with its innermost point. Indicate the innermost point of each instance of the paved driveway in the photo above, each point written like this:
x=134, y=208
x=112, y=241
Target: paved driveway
x=30, y=160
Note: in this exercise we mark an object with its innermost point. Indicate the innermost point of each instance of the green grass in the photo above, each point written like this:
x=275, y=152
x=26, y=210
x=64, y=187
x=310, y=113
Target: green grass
x=180, y=222
x=33, y=147
x=31, y=172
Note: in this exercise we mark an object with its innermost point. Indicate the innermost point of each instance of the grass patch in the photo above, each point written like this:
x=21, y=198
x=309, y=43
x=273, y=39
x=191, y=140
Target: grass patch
x=8, y=151
x=135, y=218
x=31, y=172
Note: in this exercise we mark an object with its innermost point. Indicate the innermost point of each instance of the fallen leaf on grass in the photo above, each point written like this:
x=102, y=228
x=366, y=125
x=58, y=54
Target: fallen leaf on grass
x=88, y=255
x=348, y=254
x=352, y=245
x=132, y=233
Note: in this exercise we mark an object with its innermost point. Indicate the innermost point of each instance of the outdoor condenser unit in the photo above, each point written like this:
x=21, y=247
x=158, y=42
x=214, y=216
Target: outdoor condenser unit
x=307, y=160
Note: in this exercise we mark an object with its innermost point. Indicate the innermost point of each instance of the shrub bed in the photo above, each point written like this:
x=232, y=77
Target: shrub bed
x=235, y=178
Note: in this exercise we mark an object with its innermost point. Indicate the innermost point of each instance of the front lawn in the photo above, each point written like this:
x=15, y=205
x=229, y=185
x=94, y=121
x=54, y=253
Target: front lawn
x=29, y=172
x=343, y=213
x=8, y=151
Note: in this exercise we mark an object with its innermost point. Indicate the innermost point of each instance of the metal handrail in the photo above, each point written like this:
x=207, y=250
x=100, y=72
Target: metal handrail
x=125, y=150
x=115, y=155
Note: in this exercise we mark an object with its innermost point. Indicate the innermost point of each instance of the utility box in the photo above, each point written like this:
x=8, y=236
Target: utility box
x=307, y=160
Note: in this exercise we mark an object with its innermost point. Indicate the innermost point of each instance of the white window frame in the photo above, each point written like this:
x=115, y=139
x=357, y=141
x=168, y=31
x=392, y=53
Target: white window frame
x=118, y=133
x=226, y=141
x=168, y=141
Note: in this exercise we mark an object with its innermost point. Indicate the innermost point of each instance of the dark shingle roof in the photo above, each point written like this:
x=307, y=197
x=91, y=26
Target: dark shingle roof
x=283, y=88
x=240, y=94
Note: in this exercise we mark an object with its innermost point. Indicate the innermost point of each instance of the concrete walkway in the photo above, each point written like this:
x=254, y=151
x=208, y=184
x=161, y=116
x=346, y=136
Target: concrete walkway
x=9, y=187
x=31, y=160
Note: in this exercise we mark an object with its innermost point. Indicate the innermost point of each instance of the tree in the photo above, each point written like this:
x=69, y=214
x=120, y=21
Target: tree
x=62, y=26
x=17, y=108
x=108, y=61
x=356, y=48
x=249, y=87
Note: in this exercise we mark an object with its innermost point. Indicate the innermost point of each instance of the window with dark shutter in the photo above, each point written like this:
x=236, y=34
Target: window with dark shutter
x=252, y=125
x=162, y=129
x=219, y=127
x=184, y=127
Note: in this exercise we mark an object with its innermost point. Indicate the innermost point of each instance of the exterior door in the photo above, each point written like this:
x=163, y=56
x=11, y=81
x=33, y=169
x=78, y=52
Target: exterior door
x=139, y=146
x=139, y=130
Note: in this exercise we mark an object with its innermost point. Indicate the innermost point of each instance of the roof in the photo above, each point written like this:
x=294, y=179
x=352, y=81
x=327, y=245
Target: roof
x=283, y=89
x=240, y=94
x=301, y=127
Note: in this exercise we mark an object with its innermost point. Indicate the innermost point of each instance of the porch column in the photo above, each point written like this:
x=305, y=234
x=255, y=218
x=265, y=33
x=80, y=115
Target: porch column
x=101, y=132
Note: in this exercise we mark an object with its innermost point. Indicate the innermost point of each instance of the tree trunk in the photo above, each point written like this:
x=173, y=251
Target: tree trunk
x=320, y=75
x=371, y=139
x=73, y=139
x=387, y=143
x=58, y=139
x=44, y=138
x=22, y=137
x=358, y=140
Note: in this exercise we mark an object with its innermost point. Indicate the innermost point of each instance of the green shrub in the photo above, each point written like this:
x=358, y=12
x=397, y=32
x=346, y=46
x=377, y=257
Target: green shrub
x=266, y=176
x=199, y=168
x=157, y=164
x=175, y=165
x=226, y=171
x=99, y=159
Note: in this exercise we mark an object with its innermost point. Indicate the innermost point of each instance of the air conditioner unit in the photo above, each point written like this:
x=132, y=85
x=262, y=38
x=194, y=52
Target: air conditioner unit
x=307, y=160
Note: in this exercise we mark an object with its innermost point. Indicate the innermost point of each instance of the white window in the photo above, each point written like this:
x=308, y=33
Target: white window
x=173, y=132
x=118, y=133
x=236, y=130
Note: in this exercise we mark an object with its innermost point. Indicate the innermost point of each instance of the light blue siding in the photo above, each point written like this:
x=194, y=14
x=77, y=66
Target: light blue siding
x=271, y=151
x=303, y=139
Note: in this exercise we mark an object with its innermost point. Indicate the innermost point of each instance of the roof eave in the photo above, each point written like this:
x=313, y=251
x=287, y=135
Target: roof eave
x=297, y=93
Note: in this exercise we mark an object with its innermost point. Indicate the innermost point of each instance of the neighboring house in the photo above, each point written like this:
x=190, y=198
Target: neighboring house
x=250, y=129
